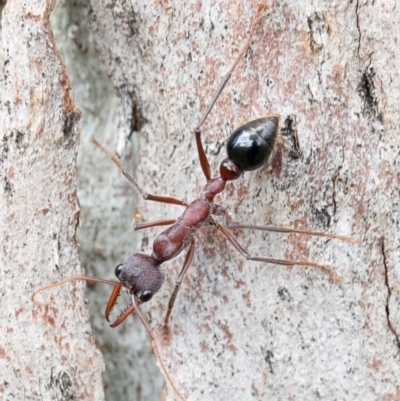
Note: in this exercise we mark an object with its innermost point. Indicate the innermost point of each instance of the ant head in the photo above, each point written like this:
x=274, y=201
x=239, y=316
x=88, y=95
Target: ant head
x=141, y=275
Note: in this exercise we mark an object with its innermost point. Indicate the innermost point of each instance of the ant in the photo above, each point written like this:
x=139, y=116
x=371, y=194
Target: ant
x=249, y=148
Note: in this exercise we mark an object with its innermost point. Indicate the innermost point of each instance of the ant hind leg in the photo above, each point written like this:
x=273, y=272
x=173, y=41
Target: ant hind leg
x=287, y=230
x=232, y=239
x=205, y=166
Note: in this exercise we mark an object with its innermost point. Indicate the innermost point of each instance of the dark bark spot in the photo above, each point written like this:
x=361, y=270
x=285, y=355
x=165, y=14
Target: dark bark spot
x=289, y=130
x=366, y=90
x=70, y=120
x=7, y=185
x=268, y=358
x=132, y=109
x=138, y=120
x=19, y=138
x=318, y=29
x=66, y=387
x=322, y=216
x=4, y=148
x=284, y=294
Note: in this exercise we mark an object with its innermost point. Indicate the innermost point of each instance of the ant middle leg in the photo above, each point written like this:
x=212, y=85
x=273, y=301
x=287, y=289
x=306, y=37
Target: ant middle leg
x=185, y=267
x=205, y=166
x=156, y=198
x=157, y=223
x=232, y=239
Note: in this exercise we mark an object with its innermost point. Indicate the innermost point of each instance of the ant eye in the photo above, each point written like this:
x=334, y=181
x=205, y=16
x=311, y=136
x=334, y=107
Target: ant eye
x=146, y=296
x=119, y=269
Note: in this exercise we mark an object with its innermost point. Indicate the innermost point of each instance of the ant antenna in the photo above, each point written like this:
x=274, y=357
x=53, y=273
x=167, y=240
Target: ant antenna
x=67, y=280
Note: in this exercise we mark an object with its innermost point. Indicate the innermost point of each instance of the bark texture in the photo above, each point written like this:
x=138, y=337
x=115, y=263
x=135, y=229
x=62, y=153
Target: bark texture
x=46, y=352
x=107, y=205
x=239, y=330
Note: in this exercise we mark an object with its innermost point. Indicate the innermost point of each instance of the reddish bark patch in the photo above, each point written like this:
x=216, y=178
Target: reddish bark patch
x=246, y=298
x=239, y=283
x=255, y=390
x=205, y=349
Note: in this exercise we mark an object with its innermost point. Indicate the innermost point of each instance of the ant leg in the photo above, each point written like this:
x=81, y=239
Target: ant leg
x=292, y=230
x=141, y=226
x=186, y=264
x=152, y=336
x=232, y=239
x=253, y=29
x=163, y=199
x=67, y=280
x=205, y=166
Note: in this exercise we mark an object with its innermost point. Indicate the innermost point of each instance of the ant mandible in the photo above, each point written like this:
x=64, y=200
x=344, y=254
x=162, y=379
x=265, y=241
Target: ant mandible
x=248, y=148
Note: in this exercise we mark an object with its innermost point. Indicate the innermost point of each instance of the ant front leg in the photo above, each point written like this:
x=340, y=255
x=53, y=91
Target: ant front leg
x=232, y=239
x=186, y=264
x=156, y=198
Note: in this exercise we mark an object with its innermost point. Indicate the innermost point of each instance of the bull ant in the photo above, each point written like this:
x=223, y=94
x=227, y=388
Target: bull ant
x=248, y=148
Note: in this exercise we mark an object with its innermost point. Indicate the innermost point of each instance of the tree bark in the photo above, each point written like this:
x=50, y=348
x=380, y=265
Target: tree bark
x=46, y=352
x=239, y=330
x=107, y=206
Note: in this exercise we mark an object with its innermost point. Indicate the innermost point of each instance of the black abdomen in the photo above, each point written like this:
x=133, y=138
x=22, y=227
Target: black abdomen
x=250, y=146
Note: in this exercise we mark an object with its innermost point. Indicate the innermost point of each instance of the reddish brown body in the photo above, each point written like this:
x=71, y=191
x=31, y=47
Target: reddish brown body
x=177, y=237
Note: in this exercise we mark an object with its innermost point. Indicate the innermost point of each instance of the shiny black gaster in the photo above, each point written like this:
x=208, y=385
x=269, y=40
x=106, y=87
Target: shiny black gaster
x=250, y=146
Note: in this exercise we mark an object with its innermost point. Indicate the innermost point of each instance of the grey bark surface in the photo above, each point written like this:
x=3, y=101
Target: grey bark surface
x=239, y=330
x=47, y=352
